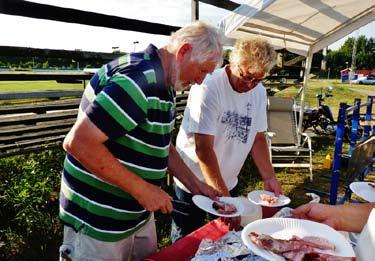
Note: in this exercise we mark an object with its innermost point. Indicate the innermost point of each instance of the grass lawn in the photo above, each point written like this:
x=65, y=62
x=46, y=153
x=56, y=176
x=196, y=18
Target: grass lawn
x=28, y=86
x=342, y=92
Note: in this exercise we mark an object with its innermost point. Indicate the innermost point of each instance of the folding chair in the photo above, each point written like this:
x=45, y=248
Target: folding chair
x=359, y=165
x=283, y=138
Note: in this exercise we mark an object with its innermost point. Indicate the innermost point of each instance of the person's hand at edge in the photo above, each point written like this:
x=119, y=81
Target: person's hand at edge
x=202, y=188
x=234, y=223
x=273, y=185
x=318, y=212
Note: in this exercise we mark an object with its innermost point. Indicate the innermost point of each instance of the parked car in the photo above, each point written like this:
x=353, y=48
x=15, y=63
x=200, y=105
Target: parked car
x=369, y=79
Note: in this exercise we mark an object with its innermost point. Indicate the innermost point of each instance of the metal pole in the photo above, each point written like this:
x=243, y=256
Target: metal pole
x=194, y=10
x=302, y=104
x=135, y=42
x=337, y=154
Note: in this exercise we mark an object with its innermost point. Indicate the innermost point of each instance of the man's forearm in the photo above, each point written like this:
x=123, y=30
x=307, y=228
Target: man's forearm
x=353, y=217
x=178, y=168
x=93, y=154
x=211, y=172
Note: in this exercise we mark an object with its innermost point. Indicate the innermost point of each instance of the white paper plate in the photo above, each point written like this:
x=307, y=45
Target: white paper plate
x=285, y=228
x=254, y=196
x=363, y=190
x=205, y=203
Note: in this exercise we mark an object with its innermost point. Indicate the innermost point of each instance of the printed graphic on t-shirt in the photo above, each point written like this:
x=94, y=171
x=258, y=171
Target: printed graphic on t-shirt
x=237, y=126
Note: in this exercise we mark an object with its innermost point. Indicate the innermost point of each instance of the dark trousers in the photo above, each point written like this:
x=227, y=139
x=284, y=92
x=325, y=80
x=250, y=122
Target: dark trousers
x=183, y=225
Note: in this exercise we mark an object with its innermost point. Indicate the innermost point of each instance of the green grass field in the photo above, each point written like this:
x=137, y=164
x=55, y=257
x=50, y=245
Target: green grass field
x=28, y=86
x=341, y=93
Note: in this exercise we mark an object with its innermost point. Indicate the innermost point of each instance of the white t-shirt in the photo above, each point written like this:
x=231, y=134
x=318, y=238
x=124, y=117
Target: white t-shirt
x=365, y=248
x=214, y=108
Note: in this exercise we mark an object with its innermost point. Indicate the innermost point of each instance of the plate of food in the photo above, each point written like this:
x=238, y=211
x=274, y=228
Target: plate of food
x=279, y=239
x=363, y=189
x=223, y=207
x=267, y=198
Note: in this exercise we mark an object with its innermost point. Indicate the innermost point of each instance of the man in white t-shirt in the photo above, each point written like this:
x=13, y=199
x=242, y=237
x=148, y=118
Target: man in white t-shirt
x=225, y=120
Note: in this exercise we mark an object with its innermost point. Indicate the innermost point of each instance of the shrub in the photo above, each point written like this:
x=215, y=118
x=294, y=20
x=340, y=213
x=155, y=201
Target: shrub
x=29, y=225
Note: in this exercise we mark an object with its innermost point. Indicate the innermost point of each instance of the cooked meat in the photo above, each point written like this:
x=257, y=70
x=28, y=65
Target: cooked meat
x=269, y=199
x=298, y=249
x=317, y=242
x=316, y=256
x=224, y=208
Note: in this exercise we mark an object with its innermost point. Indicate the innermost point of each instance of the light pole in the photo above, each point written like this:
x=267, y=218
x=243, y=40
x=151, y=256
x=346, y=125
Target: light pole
x=74, y=61
x=347, y=65
x=135, y=42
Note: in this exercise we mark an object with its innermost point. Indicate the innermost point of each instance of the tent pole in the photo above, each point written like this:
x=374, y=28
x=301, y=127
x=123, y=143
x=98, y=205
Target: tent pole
x=305, y=78
x=194, y=10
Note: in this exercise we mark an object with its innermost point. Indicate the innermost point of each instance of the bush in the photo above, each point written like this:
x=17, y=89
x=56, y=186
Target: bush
x=29, y=225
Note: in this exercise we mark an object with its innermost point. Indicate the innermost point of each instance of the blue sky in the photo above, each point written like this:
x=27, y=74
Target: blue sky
x=37, y=33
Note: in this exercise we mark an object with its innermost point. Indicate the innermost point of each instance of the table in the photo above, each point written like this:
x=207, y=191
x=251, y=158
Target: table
x=185, y=248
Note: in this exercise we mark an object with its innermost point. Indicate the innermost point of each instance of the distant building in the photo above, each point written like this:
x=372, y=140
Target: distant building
x=357, y=73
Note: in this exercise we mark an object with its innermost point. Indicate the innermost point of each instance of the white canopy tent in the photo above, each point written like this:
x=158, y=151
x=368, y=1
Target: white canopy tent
x=300, y=26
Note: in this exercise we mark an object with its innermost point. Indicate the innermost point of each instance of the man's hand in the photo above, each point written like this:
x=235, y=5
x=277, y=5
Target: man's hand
x=321, y=213
x=234, y=223
x=202, y=188
x=153, y=198
x=272, y=184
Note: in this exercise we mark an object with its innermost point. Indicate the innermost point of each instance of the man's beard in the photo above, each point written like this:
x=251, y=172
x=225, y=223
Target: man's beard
x=178, y=84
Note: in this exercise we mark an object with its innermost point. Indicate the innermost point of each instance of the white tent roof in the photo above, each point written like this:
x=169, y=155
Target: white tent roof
x=298, y=25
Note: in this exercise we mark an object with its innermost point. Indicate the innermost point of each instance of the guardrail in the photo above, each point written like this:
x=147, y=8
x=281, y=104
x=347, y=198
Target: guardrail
x=34, y=125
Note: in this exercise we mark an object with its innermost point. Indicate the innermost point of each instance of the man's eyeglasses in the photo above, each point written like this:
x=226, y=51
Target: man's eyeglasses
x=249, y=78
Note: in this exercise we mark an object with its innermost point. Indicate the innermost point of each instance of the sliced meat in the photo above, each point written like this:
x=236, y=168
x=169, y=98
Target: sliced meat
x=277, y=246
x=298, y=249
x=224, y=208
x=269, y=199
x=316, y=256
x=319, y=242
x=298, y=255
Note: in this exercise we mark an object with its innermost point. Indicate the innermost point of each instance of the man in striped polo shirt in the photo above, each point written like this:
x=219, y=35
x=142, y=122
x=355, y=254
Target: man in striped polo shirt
x=120, y=148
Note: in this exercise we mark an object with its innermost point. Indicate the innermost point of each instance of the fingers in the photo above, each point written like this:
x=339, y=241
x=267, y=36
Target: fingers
x=210, y=192
x=273, y=185
x=232, y=223
x=235, y=223
x=154, y=199
x=302, y=211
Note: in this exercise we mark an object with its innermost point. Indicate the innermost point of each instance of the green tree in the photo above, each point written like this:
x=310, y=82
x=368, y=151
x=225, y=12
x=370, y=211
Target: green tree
x=45, y=65
x=365, y=58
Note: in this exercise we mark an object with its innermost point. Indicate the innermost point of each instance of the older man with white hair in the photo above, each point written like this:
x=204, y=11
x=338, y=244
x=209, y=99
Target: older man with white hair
x=120, y=148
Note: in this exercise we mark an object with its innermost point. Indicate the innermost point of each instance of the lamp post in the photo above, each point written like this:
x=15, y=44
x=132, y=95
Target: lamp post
x=134, y=43
x=347, y=65
x=74, y=61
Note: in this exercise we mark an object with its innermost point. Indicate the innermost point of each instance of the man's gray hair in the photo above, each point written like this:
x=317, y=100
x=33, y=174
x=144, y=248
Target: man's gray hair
x=205, y=41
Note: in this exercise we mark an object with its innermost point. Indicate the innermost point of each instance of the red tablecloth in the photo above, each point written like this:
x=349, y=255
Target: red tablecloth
x=185, y=248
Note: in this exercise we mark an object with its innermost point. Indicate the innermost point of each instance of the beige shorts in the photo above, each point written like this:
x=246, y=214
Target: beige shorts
x=79, y=247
